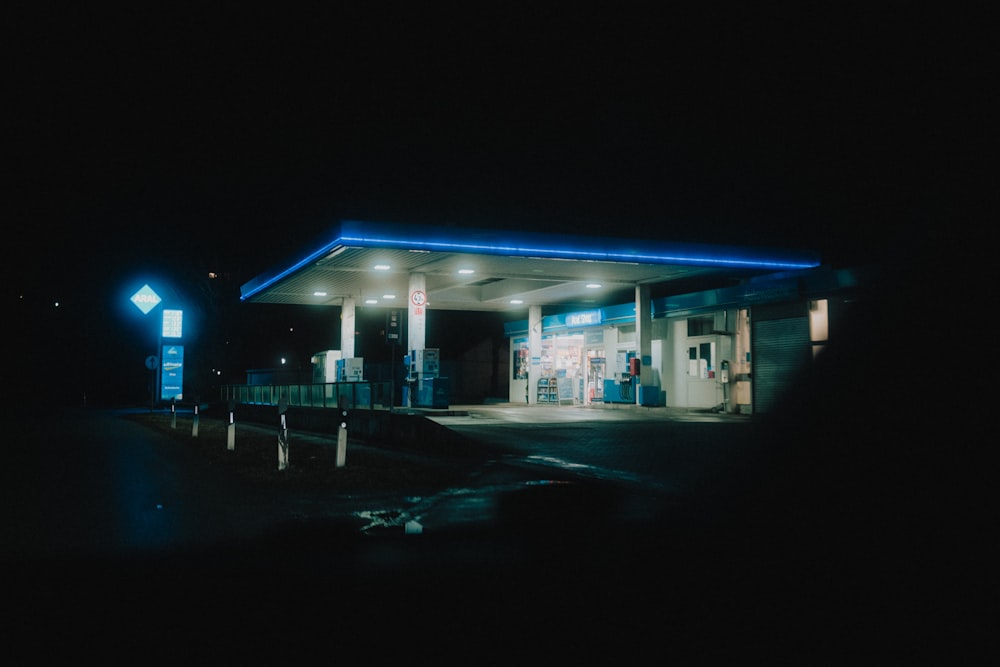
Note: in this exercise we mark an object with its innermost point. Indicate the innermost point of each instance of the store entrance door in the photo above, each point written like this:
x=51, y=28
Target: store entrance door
x=702, y=385
x=595, y=377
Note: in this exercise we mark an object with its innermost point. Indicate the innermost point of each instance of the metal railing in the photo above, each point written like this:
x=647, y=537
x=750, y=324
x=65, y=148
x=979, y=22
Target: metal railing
x=346, y=395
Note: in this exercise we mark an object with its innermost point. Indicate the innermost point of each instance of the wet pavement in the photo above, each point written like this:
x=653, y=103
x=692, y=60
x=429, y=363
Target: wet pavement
x=90, y=481
x=614, y=521
x=649, y=455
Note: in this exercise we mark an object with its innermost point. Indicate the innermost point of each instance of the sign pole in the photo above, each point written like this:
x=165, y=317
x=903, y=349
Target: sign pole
x=145, y=299
x=159, y=351
x=152, y=363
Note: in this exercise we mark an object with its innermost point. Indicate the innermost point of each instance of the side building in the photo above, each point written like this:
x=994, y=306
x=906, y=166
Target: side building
x=733, y=349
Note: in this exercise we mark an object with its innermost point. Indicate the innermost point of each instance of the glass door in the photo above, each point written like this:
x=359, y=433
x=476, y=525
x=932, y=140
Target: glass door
x=701, y=373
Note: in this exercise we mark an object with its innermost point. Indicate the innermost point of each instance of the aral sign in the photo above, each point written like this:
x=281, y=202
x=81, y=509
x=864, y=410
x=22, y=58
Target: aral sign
x=145, y=299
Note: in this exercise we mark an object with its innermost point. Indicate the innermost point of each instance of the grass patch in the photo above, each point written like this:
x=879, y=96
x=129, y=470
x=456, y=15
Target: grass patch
x=312, y=463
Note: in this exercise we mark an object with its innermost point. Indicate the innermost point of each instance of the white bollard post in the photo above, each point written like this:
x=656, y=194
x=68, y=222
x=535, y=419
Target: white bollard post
x=173, y=415
x=342, y=440
x=283, y=445
x=194, y=423
x=231, y=433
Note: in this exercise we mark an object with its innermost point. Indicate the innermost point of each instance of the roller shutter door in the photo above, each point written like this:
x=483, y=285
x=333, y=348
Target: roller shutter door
x=781, y=350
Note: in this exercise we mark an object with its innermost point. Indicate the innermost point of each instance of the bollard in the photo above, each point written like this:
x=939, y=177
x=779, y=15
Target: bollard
x=231, y=432
x=173, y=415
x=342, y=440
x=194, y=422
x=283, y=445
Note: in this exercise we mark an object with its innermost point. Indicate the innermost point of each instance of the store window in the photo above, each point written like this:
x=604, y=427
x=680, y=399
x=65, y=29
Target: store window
x=522, y=357
x=568, y=354
x=548, y=356
x=701, y=325
x=701, y=361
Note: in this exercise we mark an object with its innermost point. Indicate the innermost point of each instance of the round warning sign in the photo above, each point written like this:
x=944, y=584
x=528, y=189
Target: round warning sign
x=418, y=298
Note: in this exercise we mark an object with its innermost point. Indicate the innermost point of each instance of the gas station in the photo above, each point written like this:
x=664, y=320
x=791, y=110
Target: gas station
x=597, y=329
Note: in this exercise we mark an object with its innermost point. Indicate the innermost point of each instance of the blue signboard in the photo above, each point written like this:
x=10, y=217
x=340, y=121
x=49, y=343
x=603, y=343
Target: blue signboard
x=172, y=373
x=585, y=318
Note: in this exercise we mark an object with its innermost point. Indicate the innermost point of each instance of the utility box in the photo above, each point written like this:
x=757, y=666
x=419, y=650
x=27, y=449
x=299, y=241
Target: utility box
x=651, y=396
x=432, y=393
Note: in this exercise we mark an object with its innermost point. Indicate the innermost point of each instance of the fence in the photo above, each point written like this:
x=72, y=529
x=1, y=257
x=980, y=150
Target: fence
x=345, y=395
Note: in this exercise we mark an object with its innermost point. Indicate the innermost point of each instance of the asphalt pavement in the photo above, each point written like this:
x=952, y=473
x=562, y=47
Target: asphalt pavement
x=579, y=526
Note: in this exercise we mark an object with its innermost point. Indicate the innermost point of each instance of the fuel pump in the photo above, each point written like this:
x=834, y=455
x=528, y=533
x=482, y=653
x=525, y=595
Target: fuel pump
x=618, y=385
x=634, y=367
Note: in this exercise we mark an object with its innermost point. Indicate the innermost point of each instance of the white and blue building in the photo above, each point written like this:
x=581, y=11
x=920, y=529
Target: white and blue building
x=592, y=320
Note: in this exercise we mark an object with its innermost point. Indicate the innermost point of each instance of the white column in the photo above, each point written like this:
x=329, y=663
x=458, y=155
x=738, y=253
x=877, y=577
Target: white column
x=534, y=351
x=643, y=336
x=347, y=328
x=417, y=314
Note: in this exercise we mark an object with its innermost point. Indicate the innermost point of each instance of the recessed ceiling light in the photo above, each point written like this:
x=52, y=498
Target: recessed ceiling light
x=466, y=271
x=381, y=267
x=319, y=293
x=371, y=300
x=388, y=296
x=593, y=285
x=517, y=301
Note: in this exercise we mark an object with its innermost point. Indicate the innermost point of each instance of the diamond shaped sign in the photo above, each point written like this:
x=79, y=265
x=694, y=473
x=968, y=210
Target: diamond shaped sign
x=145, y=299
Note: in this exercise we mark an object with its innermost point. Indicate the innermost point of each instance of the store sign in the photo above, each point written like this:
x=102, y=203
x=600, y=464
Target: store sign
x=583, y=319
x=145, y=299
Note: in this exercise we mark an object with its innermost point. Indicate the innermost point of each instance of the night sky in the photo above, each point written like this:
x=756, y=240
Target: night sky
x=166, y=145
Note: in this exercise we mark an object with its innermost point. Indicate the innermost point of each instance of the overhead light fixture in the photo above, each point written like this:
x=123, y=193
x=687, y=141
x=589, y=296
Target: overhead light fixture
x=388, y=296
x=466, y=272
x=371, y=301
x=517, y=301
x=319, y=293
x=382, y=267
x=593, y=285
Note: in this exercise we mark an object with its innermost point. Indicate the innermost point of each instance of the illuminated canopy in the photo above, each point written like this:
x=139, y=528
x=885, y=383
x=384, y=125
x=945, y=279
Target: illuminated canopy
x=484, y=270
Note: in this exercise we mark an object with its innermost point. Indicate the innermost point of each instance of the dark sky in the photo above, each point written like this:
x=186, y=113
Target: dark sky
x=187, y=143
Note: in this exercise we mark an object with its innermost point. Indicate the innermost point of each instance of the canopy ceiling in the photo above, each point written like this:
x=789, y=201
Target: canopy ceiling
x=485, y=270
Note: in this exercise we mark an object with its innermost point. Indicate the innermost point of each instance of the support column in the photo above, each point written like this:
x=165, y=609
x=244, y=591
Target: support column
x=347, y=328
x=534, y=352
x=417, y=314
x=643, y=338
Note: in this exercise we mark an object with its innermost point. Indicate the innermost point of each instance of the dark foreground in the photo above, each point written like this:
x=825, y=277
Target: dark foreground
x=803, y=557
x=854, y=529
